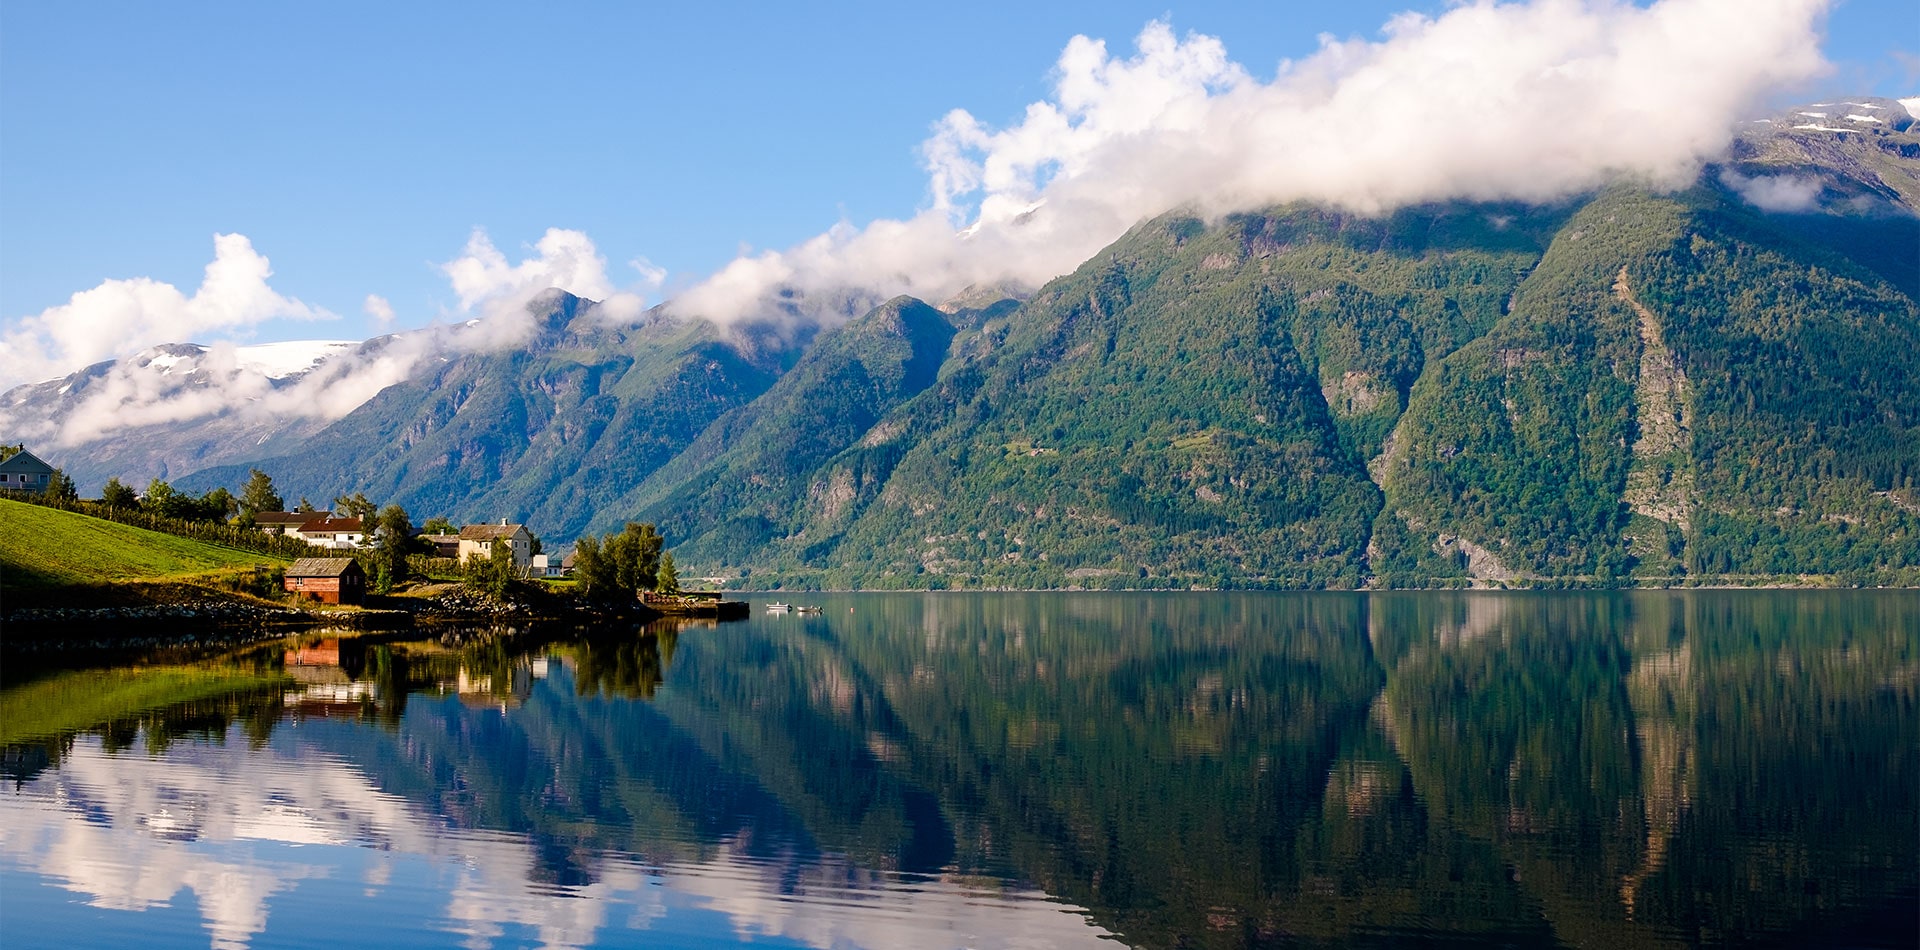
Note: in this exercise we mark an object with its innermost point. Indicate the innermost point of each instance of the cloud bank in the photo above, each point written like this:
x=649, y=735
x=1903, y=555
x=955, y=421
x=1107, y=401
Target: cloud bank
x=1489, y=101
x=120, y=316
x=153, y=384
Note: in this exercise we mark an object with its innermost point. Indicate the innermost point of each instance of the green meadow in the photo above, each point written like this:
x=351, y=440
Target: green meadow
x=43, y=548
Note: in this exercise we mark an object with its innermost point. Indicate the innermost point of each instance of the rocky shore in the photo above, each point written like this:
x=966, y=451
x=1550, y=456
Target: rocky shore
x=208, y=621
x=211, y=611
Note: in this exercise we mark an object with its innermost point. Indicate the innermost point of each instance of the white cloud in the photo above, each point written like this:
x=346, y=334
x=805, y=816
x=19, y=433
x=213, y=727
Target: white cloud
x=651, y=275
x=123, y=316
x=1775, y=192
x=379, y=309
x=1488, y=101
x=493, y=292
x=567, y=260
x=497, y=293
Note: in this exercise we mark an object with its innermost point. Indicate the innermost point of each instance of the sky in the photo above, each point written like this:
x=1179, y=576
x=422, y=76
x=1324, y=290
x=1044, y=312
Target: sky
x=400, y=164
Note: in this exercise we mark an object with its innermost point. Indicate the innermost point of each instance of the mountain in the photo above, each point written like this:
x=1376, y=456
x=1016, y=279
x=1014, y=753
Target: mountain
x=1634, y=385
x=745, y=482
x=549, y=432
x=169, y=409
x=1715, y=384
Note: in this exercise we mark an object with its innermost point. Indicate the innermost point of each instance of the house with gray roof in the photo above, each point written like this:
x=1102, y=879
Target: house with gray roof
x=24, y=471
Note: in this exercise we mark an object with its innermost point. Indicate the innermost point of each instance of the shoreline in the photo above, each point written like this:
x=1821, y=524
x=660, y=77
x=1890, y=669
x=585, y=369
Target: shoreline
x=211, y=621
x=1550, y=588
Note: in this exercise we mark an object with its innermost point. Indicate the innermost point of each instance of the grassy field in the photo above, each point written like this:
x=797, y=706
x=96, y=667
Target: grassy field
x=42, y=548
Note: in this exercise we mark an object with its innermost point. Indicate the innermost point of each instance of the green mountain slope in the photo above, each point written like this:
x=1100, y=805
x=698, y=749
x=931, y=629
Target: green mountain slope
x=1683, y=387
x=1194, y=405
x=744, y=482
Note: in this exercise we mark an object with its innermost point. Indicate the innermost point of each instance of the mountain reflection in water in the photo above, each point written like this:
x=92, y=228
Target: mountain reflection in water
x=1020, y=770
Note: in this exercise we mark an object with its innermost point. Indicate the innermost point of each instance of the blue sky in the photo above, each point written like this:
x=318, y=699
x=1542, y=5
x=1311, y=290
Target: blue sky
x=358, y=146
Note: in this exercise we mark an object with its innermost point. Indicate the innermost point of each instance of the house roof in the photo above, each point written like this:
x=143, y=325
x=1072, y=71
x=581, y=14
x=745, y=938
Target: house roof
x=283, y=517
x=322, y=567
x=490, y=532
x=25, y=461
x=323, y=524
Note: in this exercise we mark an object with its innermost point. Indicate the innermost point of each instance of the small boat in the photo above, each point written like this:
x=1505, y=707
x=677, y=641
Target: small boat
x=807, y=609
x=778, y=608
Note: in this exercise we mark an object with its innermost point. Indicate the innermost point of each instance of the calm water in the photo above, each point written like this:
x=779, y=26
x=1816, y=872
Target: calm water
x=1049, y=770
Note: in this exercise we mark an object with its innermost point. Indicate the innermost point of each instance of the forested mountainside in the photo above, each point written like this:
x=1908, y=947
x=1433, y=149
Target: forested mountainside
x=1163, y=409
x=1719, y=383
x=1643, y=386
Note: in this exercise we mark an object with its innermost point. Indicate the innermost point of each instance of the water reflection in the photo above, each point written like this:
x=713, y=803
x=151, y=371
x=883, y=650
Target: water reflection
x=1008, y=770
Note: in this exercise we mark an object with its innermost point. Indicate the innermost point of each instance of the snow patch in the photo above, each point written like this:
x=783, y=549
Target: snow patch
x=280, y=360
x=1865, y=118
x=1812, y=115
x=1912, y=105
x=1821, y=128
x=166, y=362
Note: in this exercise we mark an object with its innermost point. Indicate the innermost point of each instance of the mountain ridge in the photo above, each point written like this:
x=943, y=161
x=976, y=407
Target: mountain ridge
x=1626, y=387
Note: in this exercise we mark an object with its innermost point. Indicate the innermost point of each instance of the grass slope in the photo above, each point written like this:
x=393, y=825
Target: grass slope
x=42, y=548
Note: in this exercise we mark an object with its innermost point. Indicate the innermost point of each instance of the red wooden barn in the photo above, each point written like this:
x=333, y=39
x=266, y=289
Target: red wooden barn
x=330, y=580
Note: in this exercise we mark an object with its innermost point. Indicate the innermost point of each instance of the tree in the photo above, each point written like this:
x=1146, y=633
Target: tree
x=217, y=504
x=438, y=525
x=61, y=488
x=9, y=451
x=258, y=494
x=617, y=567
x=393, y=534
x=162, y=499
x=592, y=571
x=356, y=505
x=494, y=573
x=668, y=579
x=636, y=556
x=305, y=507
x=500, y=568
x=118, y=496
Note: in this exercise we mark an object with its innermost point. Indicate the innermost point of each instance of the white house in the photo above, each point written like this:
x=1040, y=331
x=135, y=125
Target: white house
x=479, y=539
x=325, y=531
